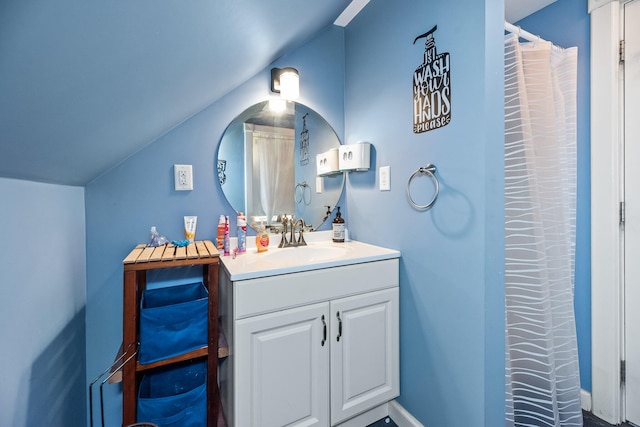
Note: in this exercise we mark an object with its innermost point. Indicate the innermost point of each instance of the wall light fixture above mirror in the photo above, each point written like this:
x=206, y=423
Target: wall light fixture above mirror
x=286, y=82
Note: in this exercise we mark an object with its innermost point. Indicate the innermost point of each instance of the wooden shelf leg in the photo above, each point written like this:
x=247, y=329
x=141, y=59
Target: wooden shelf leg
x=134, y=283
x=210, y=276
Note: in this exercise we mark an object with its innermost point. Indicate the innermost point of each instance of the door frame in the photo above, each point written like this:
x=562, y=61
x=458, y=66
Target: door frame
x=607, y=297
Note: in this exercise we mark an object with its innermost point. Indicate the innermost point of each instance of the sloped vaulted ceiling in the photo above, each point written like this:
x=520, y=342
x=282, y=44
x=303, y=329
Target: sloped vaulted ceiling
x=86, y=83
x=515, y=10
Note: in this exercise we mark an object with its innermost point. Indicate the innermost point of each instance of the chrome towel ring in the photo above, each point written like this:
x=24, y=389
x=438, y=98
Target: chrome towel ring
x=302, y=191
x=430, y=171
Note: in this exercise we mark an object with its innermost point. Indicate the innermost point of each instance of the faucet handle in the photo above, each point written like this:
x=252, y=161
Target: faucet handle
x=301, y=241
x=283, y=240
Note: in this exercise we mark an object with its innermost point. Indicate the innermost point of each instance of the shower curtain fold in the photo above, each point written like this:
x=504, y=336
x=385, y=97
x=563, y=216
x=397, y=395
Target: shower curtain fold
x=542, y=374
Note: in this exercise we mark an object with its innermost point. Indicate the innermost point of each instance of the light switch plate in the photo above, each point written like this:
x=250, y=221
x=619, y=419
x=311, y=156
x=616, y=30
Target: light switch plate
x=183, y=177
x=385, y=178
x=319, y=185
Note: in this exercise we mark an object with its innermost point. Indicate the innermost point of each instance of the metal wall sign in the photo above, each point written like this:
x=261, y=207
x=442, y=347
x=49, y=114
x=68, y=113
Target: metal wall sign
x=431, y=87
x=304, y=142
x=222, y=168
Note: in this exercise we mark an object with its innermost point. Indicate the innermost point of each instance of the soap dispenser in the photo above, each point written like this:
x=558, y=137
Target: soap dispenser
x=338, y=227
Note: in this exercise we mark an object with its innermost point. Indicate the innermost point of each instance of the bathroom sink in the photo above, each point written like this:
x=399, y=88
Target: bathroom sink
x=313, y=252
x=320, y=252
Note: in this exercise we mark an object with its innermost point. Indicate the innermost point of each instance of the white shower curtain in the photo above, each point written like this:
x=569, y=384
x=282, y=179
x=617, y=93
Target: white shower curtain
x=542, y=373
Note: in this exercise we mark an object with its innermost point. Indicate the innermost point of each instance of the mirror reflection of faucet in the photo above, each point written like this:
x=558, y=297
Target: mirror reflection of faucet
x=273, y=228
x=328, y=214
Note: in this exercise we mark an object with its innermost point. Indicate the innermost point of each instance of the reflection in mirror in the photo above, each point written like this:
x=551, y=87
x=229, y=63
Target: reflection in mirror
x=266, y=165
x=269, y=151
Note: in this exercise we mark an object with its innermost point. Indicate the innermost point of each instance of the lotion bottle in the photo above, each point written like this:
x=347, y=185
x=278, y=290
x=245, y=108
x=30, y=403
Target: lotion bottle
x=338, y=227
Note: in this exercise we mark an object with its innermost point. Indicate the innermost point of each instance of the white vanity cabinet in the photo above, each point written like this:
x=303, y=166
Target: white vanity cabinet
x=310, y=348
x=282, y=369
x=364, y=352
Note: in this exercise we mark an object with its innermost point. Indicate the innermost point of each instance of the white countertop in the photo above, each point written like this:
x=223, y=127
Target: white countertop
x=320, y=252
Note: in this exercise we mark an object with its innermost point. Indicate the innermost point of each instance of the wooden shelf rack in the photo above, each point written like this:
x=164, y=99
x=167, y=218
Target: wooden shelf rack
x=140, y=260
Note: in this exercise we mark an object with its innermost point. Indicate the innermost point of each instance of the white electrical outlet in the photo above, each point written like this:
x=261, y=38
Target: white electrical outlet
x=183, y=177
x=319, y=185
x=385, y=178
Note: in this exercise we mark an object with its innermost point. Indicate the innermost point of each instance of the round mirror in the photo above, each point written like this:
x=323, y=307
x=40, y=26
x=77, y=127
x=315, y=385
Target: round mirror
x=267, y=165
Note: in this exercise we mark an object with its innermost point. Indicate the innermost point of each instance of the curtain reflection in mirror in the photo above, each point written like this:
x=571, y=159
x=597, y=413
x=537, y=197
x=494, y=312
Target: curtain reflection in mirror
x=243, y=192
x=272, y=175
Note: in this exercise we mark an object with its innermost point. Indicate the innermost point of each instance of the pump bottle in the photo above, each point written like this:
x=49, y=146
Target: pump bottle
x=153, y=241
x=338, y=227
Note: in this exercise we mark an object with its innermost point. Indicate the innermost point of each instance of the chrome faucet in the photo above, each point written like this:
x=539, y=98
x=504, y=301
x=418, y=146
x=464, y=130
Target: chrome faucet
x=292, y=226
x=283, y=241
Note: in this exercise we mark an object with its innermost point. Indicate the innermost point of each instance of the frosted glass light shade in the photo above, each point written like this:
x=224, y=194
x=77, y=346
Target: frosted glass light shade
x=286, y=82
x=289, y=84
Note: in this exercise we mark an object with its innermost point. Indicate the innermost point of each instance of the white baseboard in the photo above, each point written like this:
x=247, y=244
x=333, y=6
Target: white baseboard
x=401, y=416
x=585, y=398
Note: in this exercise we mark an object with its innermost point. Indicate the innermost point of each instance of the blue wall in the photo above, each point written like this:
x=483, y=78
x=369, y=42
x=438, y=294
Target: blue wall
x=451, y=283
x=42, y=260
x=452, y=297
x=566, y=23
x=138, y=193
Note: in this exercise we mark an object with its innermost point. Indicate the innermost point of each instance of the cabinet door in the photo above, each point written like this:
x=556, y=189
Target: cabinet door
x=282, y=368
x=364, y=352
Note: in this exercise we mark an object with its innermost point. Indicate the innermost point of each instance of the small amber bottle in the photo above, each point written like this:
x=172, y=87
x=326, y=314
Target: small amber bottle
x=338, y=227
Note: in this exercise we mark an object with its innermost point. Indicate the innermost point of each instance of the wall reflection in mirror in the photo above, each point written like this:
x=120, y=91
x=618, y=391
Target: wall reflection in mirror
x=266, y=165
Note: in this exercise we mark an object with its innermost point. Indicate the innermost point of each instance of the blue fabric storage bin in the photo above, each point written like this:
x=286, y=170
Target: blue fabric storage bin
x=174, y=396
x=173, y=321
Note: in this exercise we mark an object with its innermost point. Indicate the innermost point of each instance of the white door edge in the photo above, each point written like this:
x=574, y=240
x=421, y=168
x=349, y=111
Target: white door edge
x=606, y=189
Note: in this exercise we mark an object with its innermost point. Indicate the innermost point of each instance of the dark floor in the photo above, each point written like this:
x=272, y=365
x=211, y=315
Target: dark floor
x=385, y=422
x=590, y=420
